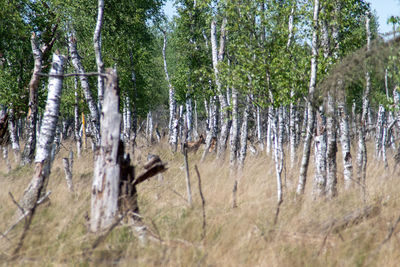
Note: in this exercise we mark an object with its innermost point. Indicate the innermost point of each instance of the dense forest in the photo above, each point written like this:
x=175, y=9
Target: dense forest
x=270, y=128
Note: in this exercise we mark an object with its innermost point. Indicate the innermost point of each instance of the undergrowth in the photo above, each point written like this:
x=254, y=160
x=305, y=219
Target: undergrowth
x=244, y=236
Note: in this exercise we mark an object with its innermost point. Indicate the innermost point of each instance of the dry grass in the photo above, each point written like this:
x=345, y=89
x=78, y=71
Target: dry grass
x=244, y=236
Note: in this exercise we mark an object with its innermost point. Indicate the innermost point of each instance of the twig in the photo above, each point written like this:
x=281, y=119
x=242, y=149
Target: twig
x=40, y=201
x=391, y=231
x=203, y=202
x=178, y=194
x=16, y=203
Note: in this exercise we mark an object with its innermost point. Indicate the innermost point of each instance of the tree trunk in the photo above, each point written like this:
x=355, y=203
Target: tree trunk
x=331, y=168
x=292, y=131
x=68, y=174
x=172, y=101
x=46, y=138
x=189, y=118
x=14, y=135
x=259, y=129
x=271, y=115
x=97, y=52
x=235, y=132
x=212, y=128
x=30, y=144
x=243, y=135
x=134, y=111
x=310, y=109
x=105, y=188
x=362, y=149
x=218, y=56
x=77, y=124
x=94, y=111
x=278, y=126
x=379, y=131
x=320, y=156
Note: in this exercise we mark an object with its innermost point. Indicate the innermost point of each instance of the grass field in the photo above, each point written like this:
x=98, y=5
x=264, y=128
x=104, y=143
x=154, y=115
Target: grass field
x=308, y=232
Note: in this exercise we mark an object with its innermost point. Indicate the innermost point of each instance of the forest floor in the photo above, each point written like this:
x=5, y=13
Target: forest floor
x=350, y=230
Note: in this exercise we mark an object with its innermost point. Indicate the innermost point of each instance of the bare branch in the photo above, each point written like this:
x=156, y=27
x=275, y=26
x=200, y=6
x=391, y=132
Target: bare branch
x=71, y=74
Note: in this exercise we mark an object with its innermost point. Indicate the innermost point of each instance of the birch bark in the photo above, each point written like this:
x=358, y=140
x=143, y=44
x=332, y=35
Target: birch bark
x=243, y=134
x=30, y=144
x=172, y=101
x=46, y=138
x=14, y=135
x=94, y=111
x=97, y=52
x=362, y=149
x=218, y=56
x=235, y=131
x=310, y=109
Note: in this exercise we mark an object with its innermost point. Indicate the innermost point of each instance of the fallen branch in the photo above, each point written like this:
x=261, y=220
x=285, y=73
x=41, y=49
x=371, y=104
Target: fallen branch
x=391, y=231
x=154, y=170
x=23, y=216
x=352, y=218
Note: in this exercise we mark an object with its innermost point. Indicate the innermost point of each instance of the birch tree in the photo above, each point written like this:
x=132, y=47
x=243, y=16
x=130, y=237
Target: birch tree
x=46, y=138
x=97, y=51
x=362, y=149
x=310, y=110
x=39, y=51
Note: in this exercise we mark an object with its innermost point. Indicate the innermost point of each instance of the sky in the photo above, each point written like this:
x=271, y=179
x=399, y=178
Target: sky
x=384, y=9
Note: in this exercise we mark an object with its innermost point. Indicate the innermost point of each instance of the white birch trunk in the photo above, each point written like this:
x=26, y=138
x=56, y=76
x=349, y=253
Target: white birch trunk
x=78, y=137
x=94, y=111
x=271, y=115
x=320, y=156
x=292, y=132
x=172, y=101
x=217, y=57
x=68, y=175
x=243, y=135
x=259, y=129
x=97, y=52
x=310, y=110
x=379, y=131
x=105, y=188
x=277, y=128
x=345, y=143
x=189, y=118
x=362, y=149
x=46, y=138
x=12, y=127
x=331, y=168
x=5, y=157
x=235, y=132
x=212, y=128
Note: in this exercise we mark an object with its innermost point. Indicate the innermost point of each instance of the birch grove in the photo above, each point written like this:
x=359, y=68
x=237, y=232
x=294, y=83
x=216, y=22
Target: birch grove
x=297, y=89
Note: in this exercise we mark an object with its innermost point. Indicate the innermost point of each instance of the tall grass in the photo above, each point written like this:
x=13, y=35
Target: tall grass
x=244, y=236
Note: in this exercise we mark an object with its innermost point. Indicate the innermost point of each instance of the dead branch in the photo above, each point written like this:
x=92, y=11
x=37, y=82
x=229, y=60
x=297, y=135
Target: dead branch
x=23, y=216
x=152, y=159
x=154, y=170
x=203, y=202
x=87, y=74
x=391, y=231
x=350, y=219
x=16, y=203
